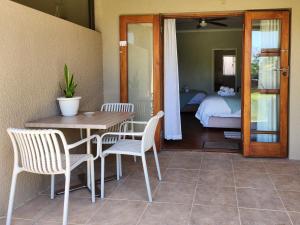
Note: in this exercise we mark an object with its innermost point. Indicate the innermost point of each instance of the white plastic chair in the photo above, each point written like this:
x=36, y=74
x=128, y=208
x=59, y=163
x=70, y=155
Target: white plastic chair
x=133, y=147
x=39, y=152
x=115, y=107
x=112, y=139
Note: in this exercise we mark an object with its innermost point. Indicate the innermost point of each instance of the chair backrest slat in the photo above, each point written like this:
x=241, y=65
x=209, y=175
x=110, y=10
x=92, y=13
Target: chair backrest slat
x=57, y=152
x=21, y=147
x=34, y=156
x=115, y=107
x=149, y=132
x=46, y=151
x=28, y=153
x=52, y=153
x=42, y=153
x=39, y=150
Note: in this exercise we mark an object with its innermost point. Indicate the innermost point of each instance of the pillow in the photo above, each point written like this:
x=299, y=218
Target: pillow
x=197, y=99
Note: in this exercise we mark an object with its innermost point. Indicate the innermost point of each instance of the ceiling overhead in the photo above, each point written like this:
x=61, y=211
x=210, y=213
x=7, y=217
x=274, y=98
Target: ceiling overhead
x=209, y=23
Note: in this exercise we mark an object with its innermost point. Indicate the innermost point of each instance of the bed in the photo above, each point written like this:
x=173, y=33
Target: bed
x=190, y=101
x=220, y=112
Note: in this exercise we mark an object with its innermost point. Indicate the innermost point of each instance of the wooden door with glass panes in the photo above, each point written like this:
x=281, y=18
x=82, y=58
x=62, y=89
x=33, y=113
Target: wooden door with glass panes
x=265, y=83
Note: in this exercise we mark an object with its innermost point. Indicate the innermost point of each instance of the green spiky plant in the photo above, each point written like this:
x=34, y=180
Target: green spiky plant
x=70, y=85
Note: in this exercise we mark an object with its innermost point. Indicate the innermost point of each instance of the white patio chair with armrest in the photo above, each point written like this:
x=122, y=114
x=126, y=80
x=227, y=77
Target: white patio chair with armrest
x=39, y=152
x=135, y=148
x=112, y=139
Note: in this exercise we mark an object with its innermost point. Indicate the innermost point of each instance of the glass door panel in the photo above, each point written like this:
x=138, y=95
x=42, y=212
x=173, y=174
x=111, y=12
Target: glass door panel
x=140, y=66
x=140, y=69
x=265, y=79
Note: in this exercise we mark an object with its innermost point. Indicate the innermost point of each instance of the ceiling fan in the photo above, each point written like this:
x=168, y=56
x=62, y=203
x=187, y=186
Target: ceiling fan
x=203, y=22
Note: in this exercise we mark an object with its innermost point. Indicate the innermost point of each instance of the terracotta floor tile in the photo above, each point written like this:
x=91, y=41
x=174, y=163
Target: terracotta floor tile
x=263, y=217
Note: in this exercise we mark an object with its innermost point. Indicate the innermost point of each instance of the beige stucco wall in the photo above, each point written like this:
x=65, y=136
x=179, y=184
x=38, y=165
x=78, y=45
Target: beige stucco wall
x=33, y=49
x=107, y=21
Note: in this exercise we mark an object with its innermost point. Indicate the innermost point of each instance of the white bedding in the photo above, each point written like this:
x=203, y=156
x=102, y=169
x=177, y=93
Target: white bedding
x=214, y=105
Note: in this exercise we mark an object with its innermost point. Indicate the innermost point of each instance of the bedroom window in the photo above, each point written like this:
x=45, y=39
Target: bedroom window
x=229, y=64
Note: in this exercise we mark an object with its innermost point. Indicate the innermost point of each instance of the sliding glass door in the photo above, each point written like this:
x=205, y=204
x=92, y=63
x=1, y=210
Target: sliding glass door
x=140, y=74
x=265, y=83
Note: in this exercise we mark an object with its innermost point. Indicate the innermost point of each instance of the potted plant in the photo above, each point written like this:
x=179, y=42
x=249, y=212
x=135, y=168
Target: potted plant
x=69, y=104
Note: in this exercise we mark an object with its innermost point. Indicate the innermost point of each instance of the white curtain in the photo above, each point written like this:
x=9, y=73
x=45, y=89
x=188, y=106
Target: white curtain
x=268, y=78
x=171, y=83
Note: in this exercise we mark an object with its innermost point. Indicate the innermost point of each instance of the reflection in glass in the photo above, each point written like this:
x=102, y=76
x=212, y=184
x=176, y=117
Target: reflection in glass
x=140, y=69
x=265, y=58
x=265, y=137
x=265, y=80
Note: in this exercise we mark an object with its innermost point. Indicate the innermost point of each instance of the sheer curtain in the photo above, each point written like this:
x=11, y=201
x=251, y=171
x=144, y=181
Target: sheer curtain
x=171, y=83
x=268, y=78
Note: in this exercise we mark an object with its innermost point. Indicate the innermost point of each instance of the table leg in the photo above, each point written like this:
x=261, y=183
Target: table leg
x=82, y=184
x=85, y=180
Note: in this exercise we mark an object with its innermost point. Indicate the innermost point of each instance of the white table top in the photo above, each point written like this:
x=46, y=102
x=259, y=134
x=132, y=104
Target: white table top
x=99, y=120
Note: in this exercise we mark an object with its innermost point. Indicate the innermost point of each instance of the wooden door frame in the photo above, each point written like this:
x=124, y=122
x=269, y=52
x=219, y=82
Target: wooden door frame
x=157, y=65
x=254, y=148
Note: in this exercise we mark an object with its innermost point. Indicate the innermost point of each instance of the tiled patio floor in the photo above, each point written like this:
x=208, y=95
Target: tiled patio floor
x=197, y=189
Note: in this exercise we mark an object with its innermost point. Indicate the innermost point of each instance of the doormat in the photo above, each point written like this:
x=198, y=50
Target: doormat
x=221, y=145
x=232, y=135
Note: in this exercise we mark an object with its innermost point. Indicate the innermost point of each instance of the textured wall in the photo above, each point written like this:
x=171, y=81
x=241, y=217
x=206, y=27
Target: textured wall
x=74, y=11
x=107, y=14
x=33, y=49
x=195, y=56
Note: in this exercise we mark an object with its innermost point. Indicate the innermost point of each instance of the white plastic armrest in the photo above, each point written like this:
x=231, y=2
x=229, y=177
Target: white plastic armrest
x=122, y=134
x=125, y=123
x=74, y=145
x=135, y=122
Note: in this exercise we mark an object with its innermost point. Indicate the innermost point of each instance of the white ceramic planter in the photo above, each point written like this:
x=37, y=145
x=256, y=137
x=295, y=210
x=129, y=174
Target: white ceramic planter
x=69, y=106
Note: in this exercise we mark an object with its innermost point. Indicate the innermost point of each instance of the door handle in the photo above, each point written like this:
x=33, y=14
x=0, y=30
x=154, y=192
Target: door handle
x=285, y=71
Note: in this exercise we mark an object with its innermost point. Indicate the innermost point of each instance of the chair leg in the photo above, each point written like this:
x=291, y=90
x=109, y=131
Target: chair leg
x=11, y=198
x=102, y=175
x=156, y=162
x=118, y=166
x=92, y=180
x=146, y=178
x=66, y=198
x=88, y=174
x=52, y=193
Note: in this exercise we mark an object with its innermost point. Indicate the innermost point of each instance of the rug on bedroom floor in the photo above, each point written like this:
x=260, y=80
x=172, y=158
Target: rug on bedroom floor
x=221, y=145
x=232, y=134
